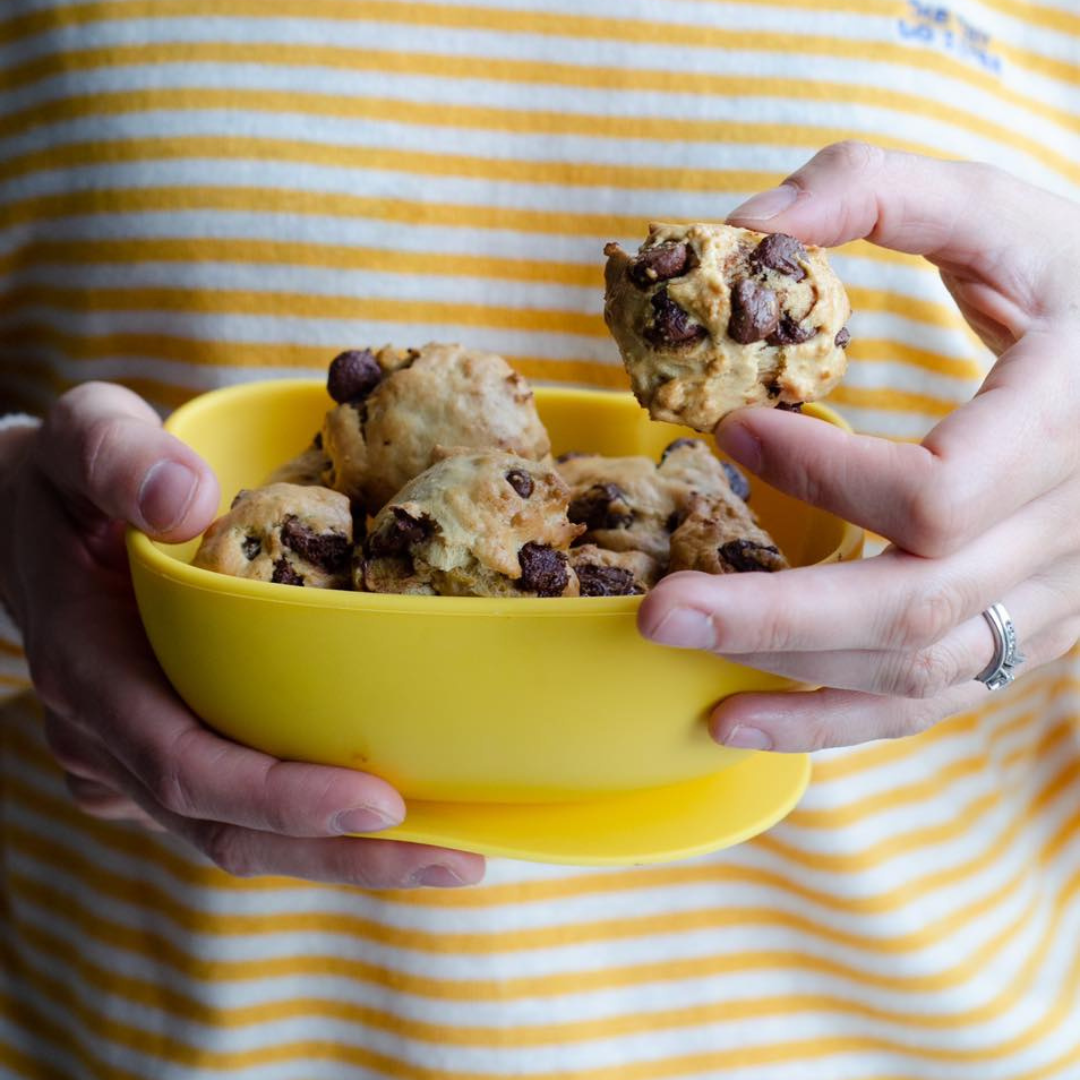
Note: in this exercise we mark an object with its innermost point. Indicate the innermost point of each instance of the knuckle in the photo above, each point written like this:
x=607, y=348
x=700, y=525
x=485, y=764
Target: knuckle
x=927, y=617
x=820, y=736
x=853, y=156
x=93, y=444
x=774, y=628
x=936, y=515
x=928, y=672
x=224, y=846
x=170, y=788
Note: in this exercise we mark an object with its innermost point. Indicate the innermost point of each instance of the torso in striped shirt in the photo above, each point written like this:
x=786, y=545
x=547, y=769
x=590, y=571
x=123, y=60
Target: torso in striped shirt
x=196, y=192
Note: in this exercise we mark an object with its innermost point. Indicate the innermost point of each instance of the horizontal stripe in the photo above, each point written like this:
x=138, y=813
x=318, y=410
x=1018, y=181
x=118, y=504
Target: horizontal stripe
x=162, y=1047
x=843, y=40
x=842, y=933
x=945, y=132
x=603, y=74
x=141, y=993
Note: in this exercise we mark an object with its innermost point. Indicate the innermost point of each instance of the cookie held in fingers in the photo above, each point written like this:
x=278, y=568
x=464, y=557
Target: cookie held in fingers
x=712, y=318
x=719, y=535
x=285, y=533
x=396, y=411
x=474, y=524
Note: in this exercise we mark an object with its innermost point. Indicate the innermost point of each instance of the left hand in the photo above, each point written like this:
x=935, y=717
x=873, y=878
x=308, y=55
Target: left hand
x=986, y=509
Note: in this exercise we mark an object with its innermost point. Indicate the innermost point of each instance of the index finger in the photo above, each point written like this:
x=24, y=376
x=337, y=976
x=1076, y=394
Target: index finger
x=958, y=214
x=978, y=466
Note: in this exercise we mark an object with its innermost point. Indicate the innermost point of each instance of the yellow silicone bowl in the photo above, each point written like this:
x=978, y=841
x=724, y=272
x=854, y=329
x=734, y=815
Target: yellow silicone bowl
x=451, y=699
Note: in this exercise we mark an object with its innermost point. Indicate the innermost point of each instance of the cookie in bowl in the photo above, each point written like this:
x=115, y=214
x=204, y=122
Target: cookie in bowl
x=719, y=535
x=632, y=504
x=288, y=534
x=474, y=524
x=396, y=412
x=712, y=318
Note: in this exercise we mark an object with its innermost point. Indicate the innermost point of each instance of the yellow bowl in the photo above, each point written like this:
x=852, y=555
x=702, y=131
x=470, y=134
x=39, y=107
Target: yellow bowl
x=453, y=700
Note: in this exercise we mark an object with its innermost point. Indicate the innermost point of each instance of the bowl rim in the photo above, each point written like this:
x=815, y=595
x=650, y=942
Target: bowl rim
x=153, y=559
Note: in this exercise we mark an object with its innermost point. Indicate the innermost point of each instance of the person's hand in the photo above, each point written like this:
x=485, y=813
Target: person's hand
x=986, y=509
x=129, y=747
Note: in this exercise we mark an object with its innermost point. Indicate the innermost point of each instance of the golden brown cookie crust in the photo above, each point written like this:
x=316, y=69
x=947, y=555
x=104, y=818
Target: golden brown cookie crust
x=285, y=533
x=437, y=398
x=633, y=503
x=720, y=535
x=712, y=318
x=601, y=572
x=475, y=524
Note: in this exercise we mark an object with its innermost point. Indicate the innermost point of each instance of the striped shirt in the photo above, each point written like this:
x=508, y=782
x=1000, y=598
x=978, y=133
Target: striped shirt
x=198, y=192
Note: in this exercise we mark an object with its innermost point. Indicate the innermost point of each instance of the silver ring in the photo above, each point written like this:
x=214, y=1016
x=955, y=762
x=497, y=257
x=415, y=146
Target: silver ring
x=1007, y=656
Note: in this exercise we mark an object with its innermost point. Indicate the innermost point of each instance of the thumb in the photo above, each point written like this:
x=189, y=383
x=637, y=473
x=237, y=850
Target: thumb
x=973, y=221
x=104, y=449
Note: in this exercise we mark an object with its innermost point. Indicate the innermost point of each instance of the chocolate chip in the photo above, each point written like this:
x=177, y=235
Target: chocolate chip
x=543, y=570
x=674, y=520
x=594, y=508
x=660, y=263
x=571, y=454
x=329, y=551
x=789, y=406
x=237, y=497
x=353, y=375
x=606, y=581
x=317, y=441
x=671, y=325
x=520, y=481
x=250, y=546
x=744, y=556
x=843, y=336
x=781, y=253
x=284, y=574
x=790, y=332
x=395, y=537
x=736, y=481
x=678, y=444
x=755, y=312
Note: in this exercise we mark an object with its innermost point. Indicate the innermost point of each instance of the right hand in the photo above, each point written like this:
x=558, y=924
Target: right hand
x=129, y=746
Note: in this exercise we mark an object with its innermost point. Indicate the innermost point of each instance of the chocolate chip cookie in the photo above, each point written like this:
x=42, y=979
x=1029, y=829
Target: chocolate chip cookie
x=711, y=318
x=719, y=535
x=483, y=523
x=613, y=573
x=397, y=411
x=285, y=533
x=633, y=503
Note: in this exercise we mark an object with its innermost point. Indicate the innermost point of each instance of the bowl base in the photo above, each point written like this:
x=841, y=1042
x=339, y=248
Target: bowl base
x=633, y=828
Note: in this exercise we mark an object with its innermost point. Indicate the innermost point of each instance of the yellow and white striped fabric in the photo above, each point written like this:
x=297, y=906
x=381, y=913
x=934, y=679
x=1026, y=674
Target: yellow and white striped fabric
x=196, y=192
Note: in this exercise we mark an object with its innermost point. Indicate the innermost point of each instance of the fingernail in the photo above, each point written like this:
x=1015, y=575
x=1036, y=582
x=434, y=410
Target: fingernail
x=738, y=442
x=741, y=737
x=166, y=492
x=767, y=204
x=441, y=877
x=686, y=629
x=364, y=819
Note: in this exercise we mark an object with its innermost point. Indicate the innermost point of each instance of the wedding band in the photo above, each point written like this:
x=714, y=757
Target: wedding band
x=1007, y=656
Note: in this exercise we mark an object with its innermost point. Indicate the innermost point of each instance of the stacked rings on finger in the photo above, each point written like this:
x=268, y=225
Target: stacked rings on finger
x=1007, y=656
